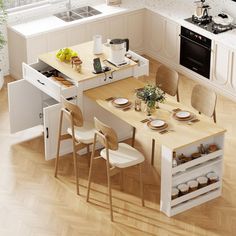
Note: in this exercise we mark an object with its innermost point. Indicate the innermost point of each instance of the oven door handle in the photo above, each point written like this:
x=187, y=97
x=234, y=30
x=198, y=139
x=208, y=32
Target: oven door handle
x=182, y=36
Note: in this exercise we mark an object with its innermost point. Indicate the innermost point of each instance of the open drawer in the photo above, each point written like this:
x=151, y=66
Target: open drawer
x=32, y=73
x=142, y=67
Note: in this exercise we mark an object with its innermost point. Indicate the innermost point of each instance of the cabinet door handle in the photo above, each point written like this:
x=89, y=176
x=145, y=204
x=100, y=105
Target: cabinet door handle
x=40, y=82
x=47, y=133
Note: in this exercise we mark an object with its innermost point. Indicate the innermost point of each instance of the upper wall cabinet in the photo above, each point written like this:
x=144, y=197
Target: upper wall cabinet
x=161, y=37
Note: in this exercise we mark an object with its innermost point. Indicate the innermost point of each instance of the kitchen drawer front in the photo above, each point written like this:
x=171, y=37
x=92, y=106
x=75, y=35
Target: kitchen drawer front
x=46, y=84
x=142, y=67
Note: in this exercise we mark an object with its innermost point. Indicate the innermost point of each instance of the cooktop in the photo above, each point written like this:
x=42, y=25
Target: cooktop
x=209, y=25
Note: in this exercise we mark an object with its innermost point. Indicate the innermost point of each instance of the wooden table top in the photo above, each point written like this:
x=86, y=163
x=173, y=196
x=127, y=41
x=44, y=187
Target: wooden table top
x=183, y=134
x=85, y=52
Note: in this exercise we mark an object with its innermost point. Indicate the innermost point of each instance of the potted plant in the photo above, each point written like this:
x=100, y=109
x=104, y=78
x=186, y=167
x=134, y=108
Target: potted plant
x=2, y=39
x=151, y=94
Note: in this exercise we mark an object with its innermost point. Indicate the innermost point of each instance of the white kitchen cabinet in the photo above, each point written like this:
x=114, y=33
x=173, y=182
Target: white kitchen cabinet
x=117, y=27
x=135, y=30
x=98, y=27
x=221, y=64
x=77, y=34
x=57, y=39
x=171, y=41
x=154, y=31
x=172, y=176
x=233, y=71
x=36, y=46
x=35, y=100
x=25, y=105
x=161, y=38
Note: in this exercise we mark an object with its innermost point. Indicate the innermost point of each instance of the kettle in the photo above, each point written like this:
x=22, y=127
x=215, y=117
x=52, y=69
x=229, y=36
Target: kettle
x=202, y=9
x=118, y=47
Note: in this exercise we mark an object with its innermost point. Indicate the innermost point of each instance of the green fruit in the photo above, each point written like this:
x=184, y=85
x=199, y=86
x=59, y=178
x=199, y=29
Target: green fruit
x=62, y=57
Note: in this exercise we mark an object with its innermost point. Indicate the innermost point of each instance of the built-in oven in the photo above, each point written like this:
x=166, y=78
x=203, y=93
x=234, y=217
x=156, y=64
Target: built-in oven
x=195, y=52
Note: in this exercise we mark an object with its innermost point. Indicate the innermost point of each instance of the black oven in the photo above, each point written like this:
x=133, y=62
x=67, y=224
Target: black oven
x=195, y=52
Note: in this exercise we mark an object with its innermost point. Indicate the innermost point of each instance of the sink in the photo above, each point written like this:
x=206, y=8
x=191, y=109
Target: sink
x=78, y=13
x=86, y=11
x=68, y=16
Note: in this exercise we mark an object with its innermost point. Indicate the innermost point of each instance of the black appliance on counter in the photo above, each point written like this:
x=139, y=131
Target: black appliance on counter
x=195, y=52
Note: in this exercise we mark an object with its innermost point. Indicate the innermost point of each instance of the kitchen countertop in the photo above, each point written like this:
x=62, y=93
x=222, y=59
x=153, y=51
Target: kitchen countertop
x=85, y=51
x=183, y=134
x=171, y=9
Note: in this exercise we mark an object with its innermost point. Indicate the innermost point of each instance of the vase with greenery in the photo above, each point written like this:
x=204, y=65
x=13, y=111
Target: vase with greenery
x=3, y=16
x=151, y=94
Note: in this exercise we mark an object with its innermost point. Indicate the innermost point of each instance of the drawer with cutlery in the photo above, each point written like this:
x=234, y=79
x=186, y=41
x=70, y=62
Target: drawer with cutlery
x=48, y=80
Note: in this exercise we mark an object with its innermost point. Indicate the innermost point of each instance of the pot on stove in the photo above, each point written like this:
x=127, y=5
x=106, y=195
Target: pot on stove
x=223, y=19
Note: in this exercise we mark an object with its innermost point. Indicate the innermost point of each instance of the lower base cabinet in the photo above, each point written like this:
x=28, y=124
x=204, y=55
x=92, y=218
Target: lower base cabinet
x=30, y=107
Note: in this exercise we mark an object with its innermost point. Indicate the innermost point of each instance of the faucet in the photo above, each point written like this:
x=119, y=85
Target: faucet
x=68, y=5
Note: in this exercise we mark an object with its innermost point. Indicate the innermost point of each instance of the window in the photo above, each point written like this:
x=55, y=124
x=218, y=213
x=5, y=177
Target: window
x=19, y=4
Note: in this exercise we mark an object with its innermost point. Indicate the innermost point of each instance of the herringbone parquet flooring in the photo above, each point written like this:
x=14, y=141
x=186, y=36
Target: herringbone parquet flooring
x=34, y=203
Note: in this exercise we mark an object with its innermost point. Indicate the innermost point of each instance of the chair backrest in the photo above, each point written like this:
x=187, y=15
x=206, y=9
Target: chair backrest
x=74, y=110
x=203, y=100
x=109, y=134
x=167, y=80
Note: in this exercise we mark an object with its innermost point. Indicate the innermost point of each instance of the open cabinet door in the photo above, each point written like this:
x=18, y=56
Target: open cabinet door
x=25, y=105
x=51, y=130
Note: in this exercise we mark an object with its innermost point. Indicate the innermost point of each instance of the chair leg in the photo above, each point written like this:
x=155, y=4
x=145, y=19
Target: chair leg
x=214, y=116
x=90, y=169
x=88, y=155
x=153, y=152
x=109, y=190
x=133, y=136
x=76, y=167
x=141, y=184
x=58, y=146
x=122, y=180
x=177, y=95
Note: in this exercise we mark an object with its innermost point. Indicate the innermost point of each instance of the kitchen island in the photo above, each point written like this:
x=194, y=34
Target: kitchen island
x=35, y=100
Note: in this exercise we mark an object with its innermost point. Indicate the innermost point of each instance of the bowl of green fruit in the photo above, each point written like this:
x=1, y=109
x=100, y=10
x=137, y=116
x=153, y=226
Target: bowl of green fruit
x=65, y=54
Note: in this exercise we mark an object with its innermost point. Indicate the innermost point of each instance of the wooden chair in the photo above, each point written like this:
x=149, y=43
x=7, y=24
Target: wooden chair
x=117, y=155
x=168, y=80
x=81, y=133
x=204, y=101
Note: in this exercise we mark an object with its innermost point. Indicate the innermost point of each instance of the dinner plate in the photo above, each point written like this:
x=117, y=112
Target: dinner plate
x=157, y=123
x=120, y=101
x=158, y=127
x=184, y=119
x=183, y=114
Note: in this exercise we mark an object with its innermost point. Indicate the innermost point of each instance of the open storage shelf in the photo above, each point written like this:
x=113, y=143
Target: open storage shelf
x=202, y=159
x=171, y=177
x=195, y=202
x=196, y=193
x=206, y=165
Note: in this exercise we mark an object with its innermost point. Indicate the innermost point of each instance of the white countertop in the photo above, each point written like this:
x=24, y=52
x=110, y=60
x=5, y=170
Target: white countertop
x=172, y=9
x=52, y=23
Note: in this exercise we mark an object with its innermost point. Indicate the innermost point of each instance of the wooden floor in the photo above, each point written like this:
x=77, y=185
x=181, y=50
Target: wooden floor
x=33, y=202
